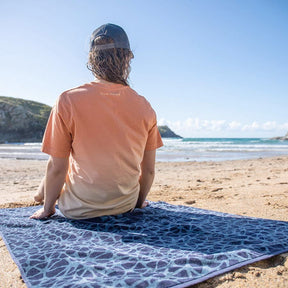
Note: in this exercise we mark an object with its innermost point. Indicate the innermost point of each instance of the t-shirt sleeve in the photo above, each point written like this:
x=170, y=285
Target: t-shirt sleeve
x=57, y=140
x=154, y=140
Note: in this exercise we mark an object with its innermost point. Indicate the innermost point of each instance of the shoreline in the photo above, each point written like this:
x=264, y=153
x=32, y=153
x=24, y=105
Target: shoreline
x=180, y=150
x=254, y=188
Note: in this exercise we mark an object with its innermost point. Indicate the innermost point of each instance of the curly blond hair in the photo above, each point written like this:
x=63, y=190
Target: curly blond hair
x=112, y=64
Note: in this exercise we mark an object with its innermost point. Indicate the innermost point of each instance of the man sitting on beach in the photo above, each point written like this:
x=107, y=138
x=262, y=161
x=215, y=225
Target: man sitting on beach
x=101, y=137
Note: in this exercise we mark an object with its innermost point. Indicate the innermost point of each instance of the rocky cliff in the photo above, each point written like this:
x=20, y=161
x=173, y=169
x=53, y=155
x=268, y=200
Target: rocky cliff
x=281, y=137
x=22, y=120
x=166, y=132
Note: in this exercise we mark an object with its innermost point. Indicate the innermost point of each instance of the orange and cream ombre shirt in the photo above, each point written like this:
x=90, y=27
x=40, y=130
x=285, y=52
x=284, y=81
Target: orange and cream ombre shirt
x=104, y=129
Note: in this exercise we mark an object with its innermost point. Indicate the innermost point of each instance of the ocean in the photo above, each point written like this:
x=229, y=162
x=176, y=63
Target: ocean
x=186, y=149
x=220, y=149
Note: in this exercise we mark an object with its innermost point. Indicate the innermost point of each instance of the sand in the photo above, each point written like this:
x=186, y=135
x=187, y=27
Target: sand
x=256, y=188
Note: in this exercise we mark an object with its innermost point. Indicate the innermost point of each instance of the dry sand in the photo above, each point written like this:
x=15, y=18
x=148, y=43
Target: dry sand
x=256, y=188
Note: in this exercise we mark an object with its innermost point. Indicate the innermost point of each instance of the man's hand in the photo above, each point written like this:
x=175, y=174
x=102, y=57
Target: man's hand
x=42, y=214
x=145, y=204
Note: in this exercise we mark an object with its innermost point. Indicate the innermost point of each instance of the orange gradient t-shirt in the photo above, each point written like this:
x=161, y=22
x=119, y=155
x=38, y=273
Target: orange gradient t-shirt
x=104, y=129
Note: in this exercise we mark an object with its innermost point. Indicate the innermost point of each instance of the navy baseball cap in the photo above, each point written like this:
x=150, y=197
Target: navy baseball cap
x=115, y=32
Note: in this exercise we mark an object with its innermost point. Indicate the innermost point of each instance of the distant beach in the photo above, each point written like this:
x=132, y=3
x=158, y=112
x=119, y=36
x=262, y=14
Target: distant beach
x=181, y=150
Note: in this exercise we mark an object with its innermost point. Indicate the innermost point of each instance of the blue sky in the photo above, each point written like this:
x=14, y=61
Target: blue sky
x=210, y=68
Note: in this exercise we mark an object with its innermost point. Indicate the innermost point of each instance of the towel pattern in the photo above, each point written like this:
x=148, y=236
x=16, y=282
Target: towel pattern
x=162, y=245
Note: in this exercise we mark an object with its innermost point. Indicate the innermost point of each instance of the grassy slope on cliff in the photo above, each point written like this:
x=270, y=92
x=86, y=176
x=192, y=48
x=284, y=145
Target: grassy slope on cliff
x=22, y=120
x=38, y=110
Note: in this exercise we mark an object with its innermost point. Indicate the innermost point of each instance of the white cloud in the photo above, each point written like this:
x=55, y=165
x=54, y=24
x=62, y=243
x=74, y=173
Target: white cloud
x=234, y=125
x=270, y=125
x=195, y=127
x=251, y=127
x=284, y=126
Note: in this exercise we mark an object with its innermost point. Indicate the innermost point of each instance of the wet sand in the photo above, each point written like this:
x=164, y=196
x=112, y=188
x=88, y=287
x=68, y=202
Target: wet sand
x=257, y=188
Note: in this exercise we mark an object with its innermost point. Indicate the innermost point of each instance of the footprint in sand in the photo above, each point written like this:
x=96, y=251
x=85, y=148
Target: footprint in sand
x=217, y=189
x=190, y=202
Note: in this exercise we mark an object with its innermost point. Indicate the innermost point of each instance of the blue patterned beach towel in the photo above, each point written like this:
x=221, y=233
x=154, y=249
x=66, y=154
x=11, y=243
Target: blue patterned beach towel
x=162, y=245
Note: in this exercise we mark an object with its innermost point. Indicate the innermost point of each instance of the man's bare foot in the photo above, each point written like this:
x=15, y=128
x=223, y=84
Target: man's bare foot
x=38, y=197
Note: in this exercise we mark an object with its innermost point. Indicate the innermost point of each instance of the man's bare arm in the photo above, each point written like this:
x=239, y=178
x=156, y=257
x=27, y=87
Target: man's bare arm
x=147, y=176
x=54, y=180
